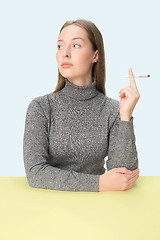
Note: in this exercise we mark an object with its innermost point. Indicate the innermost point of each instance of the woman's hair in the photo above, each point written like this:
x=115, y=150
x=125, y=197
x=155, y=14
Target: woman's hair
x=98, y=69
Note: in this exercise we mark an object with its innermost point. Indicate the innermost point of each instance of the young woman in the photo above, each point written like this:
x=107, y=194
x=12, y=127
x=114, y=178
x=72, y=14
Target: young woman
x=70, y=131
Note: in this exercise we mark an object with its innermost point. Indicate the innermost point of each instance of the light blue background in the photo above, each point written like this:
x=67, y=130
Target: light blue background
x=28, y=68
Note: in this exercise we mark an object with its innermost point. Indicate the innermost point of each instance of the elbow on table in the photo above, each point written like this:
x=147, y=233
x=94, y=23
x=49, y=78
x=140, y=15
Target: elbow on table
x=32, y=181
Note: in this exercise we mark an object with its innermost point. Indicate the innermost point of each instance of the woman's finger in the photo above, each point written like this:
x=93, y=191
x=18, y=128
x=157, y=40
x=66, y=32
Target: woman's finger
x=133, y=178
x=131, y=91
x=132, y=80
x=132, y=182
x=125, y=91
x=135, y=92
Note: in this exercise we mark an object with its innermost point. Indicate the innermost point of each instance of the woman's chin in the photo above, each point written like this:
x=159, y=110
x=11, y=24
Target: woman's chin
x=65, y=75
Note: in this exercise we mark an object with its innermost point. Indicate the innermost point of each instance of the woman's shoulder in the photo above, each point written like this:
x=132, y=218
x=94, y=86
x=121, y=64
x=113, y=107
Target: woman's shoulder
x=44, y=100
x=111, y=107
x=42, y=103
x=112, y=104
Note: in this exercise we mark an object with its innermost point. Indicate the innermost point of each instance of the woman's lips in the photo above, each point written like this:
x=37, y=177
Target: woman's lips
x=67, y=65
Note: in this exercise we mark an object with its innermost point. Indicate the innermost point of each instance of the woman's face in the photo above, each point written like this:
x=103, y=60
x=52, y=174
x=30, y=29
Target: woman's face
x=78, y=52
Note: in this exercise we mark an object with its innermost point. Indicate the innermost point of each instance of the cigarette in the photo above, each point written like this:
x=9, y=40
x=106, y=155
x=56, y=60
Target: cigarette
x=140, y=76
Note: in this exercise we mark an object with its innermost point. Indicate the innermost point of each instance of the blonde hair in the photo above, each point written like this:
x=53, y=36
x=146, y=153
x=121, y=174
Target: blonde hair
x=98, y=69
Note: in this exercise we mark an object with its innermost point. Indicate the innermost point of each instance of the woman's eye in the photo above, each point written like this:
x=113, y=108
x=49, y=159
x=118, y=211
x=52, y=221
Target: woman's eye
x=76, y=44
x=60, y=46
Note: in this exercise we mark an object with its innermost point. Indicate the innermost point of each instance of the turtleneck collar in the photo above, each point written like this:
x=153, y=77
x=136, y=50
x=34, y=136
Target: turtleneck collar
x=80, y=92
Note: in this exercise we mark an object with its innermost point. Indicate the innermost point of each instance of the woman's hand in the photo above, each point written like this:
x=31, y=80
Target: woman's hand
x=118, y=179
x=127, y=103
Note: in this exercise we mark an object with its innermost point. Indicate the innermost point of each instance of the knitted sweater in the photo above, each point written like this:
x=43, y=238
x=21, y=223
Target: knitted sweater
x=68, y=134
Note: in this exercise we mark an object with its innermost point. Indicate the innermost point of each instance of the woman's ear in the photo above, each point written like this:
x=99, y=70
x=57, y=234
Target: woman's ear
x=96, y=56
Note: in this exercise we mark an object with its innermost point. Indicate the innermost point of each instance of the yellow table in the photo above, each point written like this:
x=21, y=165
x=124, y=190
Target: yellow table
x=33, y=214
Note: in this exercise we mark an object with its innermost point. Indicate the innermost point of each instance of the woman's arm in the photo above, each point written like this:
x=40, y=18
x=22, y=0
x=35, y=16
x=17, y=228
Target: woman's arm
x=39, y=172
x=122, y=150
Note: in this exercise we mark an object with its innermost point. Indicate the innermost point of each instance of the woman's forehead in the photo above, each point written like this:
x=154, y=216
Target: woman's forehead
x=72, y=32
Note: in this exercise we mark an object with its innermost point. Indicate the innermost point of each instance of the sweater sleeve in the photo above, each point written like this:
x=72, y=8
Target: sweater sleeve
x=40, y=174
x=122, y=150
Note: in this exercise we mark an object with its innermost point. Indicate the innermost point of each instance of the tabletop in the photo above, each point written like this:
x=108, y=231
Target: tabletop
x=34, y=213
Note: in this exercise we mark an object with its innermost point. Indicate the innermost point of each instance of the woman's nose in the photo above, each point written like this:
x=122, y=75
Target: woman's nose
x=66, y=53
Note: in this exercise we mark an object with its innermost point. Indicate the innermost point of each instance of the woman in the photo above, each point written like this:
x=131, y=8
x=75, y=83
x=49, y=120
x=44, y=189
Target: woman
x=70, y=131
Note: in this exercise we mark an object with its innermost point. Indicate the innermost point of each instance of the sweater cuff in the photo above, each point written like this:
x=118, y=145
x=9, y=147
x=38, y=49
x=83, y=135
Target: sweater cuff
x=92, y=183
x=126, y=128
x=84, y=182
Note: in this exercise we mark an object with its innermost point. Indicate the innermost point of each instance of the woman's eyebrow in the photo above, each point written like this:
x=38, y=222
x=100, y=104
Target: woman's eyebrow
x=72, y=39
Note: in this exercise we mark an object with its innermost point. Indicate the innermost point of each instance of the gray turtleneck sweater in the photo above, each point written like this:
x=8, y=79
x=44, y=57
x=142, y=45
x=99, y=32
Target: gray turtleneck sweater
x=69, y=133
